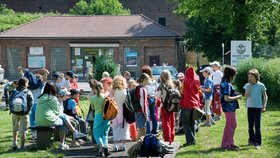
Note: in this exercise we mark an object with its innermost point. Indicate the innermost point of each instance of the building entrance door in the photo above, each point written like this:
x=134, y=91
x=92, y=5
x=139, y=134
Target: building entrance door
x=154, y=60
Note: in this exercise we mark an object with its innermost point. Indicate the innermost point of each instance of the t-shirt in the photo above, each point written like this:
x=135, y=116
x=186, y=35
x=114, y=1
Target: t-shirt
x=217, y=77
x=208, y=83
x=227, y=89
x=255, y=97
x=97, y=103
x=72, y=105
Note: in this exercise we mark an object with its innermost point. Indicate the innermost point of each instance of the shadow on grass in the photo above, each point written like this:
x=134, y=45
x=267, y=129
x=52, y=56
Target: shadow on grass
x=273, y=105
x=216, y=150
x=28, y=148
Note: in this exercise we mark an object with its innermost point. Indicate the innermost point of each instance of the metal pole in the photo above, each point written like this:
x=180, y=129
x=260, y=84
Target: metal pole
x=223, y=53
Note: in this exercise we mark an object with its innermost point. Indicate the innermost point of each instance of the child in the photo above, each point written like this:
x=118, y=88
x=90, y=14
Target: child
x=9, y=87
x=255, y=92
x=101, y=126
x=207, y=89
x=21, y=122
x=229, y=105
x=107, y=85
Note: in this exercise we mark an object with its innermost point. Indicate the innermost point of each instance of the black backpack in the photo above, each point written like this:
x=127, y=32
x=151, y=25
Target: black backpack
x=134, y=93
x=151, y=146
x=128, y=111
x=172, y=99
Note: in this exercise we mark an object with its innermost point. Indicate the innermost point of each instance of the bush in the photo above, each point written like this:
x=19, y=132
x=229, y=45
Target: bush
x=104, y=63
x=269, y=74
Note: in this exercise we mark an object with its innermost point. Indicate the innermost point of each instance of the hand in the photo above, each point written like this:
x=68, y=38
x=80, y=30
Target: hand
x=264, y=109
x=239, y=96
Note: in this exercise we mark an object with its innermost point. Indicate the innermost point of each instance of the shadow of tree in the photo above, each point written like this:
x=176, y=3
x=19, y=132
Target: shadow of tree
x=217, y=150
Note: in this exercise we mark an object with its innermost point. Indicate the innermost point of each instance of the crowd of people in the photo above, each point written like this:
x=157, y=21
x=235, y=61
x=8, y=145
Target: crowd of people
x=57, y=103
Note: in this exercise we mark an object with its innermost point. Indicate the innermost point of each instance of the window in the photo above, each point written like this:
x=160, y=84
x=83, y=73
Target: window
x=36, y=58
x=162, y=21
x=58, y=59
x=14, y=60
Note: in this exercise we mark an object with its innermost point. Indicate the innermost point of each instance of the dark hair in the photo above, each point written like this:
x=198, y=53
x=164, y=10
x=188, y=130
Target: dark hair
x=15, y=82
x=92, y=83
x=147, y=69
x=143, y=77
x=126, y=72
x=22, y=82
x=229, y=73
x=49, y=89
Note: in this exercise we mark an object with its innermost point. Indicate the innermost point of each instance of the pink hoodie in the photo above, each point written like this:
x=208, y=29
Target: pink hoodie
x=190, y=98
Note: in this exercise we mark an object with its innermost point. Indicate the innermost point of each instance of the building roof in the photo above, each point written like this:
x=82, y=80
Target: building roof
x=90, y=27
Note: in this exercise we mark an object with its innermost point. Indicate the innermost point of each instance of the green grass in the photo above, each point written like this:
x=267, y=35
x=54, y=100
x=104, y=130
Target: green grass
x=208, y=139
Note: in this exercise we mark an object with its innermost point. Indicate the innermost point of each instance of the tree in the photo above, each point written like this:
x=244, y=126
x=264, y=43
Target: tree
x=99, y=7
x=105, y=63
x=212, y=22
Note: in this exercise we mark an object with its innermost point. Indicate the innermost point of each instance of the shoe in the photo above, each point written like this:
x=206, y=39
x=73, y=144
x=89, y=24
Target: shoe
x=206, y=124
x=101, y=154
x=250, y=143
x=75, y=144
x=7, y=108
x=106, y=152
x=235, y=147
x=15, y=147
x=213, y=122
x=81, y=141
x=63, y=147
x=217, y=118
x=257, y=147
x=78, y=135
x=115, y=149
x=123, y=148
x=188, y=144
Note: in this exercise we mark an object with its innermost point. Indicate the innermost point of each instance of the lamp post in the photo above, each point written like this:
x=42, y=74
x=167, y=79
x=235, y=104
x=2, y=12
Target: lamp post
x=223, y=53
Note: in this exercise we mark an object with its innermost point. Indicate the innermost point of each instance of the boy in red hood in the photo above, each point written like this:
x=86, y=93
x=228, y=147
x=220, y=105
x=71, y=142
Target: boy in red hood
x=190, y=100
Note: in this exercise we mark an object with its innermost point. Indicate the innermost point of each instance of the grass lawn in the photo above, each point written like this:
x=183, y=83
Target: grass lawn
x=208, y=139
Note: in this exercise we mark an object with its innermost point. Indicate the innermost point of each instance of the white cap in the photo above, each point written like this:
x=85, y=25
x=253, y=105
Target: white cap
x=207, y=69
x=216, y=63
x=180, y=74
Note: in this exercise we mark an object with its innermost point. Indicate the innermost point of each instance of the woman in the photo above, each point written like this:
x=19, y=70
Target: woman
x=141, y=116
x=151, y=92
x=101, y=126
x=167, y=118
x=190, y=100
x=48, y=114
x=119, y=125
x=229, y=105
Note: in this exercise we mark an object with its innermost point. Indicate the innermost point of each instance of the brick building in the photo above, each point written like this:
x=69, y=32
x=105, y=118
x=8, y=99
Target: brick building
x=60, y=43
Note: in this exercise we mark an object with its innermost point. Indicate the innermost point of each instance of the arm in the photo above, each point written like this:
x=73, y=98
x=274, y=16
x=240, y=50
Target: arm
x=232, y=98
x=30, y=101
x=45, y=75
x=206, y=90
x=265, y=98
x=247, y=90
x=143, y=100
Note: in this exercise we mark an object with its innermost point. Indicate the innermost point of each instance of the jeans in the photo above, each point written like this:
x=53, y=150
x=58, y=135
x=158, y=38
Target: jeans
x=254, y=120
x=32, y=115
x=188, y=125
x=152, y=114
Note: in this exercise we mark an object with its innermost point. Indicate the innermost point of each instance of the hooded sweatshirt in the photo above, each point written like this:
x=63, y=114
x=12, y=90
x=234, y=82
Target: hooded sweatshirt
x=190, y=98
x=47, y=110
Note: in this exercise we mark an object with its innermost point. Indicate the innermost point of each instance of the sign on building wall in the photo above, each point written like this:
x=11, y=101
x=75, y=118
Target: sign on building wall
x=240, y=50
x=131, y=59
x=36, y=51
x=36, y=61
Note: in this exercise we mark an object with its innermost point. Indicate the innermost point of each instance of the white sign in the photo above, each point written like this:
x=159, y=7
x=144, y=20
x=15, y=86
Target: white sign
x=240, y=50
x=77, y=51
x=36, y=50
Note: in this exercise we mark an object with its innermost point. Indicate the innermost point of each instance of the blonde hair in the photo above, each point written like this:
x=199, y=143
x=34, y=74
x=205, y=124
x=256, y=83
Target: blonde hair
x=166, y=79
x=255, y=73
x=143, y=77
x=131, y=83
x=119, y=82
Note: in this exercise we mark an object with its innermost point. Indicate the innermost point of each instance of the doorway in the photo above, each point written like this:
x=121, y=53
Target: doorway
x=154, y=60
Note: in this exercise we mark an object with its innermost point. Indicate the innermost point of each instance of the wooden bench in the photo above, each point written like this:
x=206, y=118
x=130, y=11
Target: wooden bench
x=44, y=135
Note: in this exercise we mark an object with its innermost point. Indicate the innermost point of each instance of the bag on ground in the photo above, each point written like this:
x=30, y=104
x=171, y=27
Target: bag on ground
x=151, y=146
x=110, y=109
x=18, y=102
x=128, y=111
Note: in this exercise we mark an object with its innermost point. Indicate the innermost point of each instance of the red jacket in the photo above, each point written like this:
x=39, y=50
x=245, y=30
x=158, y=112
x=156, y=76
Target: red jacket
x=190, y=98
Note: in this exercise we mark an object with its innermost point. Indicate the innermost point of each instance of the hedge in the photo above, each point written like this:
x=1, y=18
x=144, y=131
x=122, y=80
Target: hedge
x=269, y=75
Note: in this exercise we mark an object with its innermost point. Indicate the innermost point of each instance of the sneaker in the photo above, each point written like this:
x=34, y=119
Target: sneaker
x=217, y=118
x=106, y=152
x=213, y=122
x=115, y=149
x=63, y=147
x=7, y=108
x=75, y=144
x=78, y=135
x=15, y=147
x=257, y=147
x=123, y=148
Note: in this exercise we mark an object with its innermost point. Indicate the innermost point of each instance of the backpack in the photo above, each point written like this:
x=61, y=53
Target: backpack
x=128, y=111
x=110, y=109
x=68, y=111
x=18, y=102
x=151, y=146
x=135, y=98
x=172, y=99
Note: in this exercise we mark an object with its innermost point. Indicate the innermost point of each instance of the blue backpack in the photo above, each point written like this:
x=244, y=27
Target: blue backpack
x=151, y=146
x=18, y=102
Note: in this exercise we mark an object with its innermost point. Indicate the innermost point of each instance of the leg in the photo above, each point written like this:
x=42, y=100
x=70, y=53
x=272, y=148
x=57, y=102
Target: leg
x=153, y=118
x=250, y=115
x=24, y=124
x=32, y=121
x=83, y=126
x=165, y=124
x=258, y=138
x=172, y=124
x=188, y=125
x=229, y=130
x=15, y=120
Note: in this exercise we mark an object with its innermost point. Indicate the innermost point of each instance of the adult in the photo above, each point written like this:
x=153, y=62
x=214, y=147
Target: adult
x=229, y=105
x=190, y=100
x=9, y=87
x=48, y=113
x=217, y=78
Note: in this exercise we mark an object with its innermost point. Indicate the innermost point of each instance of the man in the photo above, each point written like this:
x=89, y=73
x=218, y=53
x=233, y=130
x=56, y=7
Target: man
x=217, y=78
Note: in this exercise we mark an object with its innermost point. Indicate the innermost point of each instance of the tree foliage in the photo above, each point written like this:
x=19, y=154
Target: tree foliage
x=105, y=63
x=212, y=22
x=99, y=7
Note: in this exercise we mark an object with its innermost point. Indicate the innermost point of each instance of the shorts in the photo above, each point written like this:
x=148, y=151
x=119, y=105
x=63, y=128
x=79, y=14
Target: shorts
x=140, y=120
x=207, y=106
x=61, y=122
x=20, y=123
